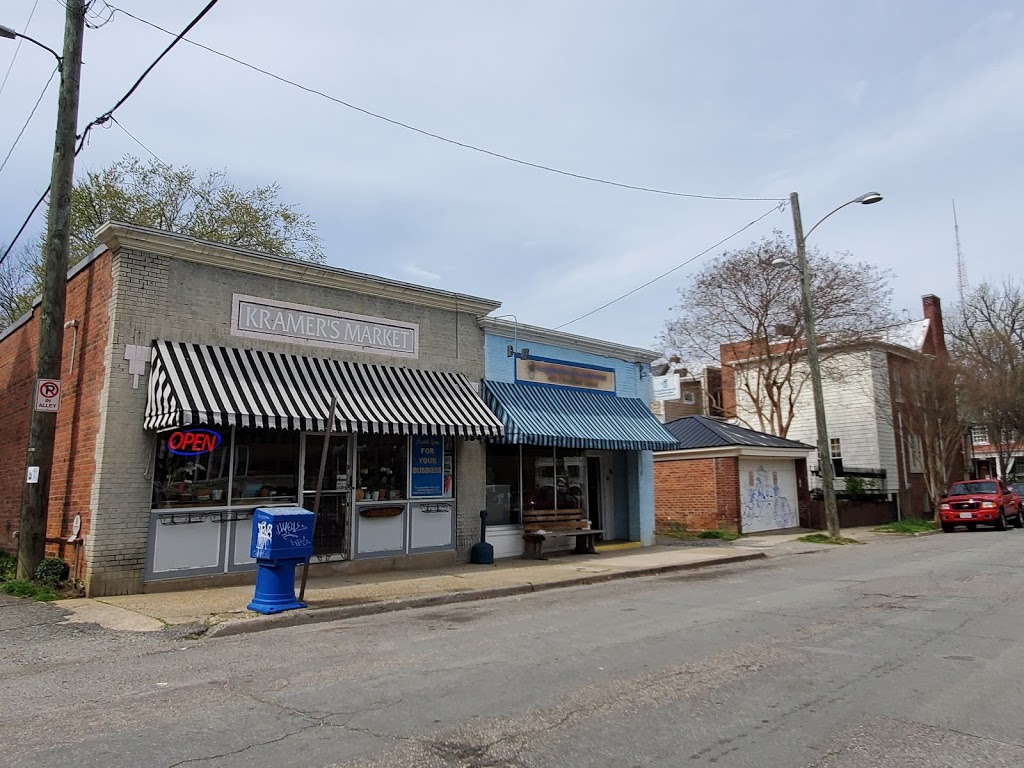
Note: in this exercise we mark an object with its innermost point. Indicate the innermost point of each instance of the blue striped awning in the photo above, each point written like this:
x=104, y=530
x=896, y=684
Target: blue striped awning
x=575, y=418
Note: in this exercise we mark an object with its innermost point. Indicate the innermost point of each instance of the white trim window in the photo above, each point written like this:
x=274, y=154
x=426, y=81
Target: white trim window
x=835, y=448
x=689, y=398
x=979, y=435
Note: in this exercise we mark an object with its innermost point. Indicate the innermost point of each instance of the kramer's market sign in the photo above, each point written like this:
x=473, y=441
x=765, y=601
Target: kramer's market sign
x=316, y=326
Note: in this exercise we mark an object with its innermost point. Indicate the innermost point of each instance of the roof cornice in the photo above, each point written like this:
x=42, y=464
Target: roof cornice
x=117, y=235
x=831, y=353
x=558, y=338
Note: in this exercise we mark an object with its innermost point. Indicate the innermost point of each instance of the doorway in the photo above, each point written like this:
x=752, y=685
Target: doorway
x=595, y=496
x=331, y=537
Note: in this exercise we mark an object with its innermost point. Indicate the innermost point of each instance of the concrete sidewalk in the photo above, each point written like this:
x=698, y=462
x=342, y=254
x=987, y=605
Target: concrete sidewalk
x=222, y=611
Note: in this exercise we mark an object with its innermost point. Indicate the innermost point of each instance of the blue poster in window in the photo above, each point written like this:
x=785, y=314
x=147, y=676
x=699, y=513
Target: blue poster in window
x=427, y=465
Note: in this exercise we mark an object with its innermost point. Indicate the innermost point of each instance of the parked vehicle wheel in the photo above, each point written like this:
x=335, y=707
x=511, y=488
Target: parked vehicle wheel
x=1018, y=519
x=972, y=527
x=1001, y=521
x=947, y=527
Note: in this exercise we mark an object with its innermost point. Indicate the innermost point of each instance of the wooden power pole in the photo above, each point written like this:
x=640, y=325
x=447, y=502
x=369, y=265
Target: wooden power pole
x=35, y=497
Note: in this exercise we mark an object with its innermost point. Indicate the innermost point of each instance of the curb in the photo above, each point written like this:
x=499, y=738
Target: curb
x=908, y=535
x=339, y=612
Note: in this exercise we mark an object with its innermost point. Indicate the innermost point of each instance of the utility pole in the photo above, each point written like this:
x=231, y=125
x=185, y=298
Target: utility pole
x=35, y=497
x=824, y=451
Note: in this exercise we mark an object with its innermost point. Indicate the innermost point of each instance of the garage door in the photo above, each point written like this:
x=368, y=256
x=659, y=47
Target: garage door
x=767, y=495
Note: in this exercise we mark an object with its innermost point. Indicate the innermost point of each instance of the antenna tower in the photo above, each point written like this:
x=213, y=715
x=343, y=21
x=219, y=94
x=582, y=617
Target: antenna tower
x=962, y=286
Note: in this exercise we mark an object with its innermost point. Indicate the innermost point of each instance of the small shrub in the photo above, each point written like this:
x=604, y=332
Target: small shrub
x=52, y=571
x=856, y=486
x=8, y=566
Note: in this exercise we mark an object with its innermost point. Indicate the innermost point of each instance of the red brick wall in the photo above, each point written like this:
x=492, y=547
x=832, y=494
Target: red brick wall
x=700, y=494
x=88, y=298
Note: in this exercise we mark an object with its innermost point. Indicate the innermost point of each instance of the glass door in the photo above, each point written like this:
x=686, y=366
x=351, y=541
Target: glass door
x=331, y=537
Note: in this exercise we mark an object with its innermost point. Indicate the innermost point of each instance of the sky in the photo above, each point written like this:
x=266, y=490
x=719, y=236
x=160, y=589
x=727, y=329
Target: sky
x=921, y=101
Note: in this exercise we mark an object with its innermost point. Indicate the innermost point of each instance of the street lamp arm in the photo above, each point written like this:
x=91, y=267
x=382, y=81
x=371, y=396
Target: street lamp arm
x=10, y=34
x=834, y=210
x=865, y=199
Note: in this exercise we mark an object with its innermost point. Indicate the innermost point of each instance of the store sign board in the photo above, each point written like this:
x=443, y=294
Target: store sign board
x=192, y=442
x=558, y=373
x=317, y=326
x=666, y=387
x=427, y=466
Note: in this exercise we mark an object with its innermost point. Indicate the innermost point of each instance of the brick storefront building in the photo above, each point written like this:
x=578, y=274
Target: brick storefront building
x=176, y=335
x=75, y=444
x=198, y=379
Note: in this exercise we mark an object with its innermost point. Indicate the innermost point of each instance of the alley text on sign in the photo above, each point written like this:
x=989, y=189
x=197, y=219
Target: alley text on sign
x=48, y=395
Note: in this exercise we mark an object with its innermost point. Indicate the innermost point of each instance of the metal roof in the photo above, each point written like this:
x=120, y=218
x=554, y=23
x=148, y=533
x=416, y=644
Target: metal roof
x=706, y=432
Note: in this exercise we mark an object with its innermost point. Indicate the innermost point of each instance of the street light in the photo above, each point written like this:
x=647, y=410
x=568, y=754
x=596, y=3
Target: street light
x=10, y=34
x=813, y=361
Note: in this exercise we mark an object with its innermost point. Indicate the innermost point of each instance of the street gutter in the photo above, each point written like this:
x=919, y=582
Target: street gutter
x=339, y=612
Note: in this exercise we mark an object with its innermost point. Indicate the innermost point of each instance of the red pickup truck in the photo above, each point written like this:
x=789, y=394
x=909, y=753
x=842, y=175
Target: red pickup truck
x=990, y=502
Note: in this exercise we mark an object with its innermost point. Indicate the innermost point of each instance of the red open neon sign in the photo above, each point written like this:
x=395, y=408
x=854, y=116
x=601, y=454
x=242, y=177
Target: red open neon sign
x=192, y=442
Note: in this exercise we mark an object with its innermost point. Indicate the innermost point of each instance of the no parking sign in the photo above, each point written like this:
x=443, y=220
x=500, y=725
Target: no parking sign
x=48, y=395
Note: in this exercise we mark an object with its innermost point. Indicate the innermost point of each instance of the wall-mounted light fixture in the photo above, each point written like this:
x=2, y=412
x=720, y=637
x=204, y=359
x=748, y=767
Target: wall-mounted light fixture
x=512, y=349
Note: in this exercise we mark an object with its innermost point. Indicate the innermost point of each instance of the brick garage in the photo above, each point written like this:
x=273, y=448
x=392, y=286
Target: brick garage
x=698, y=494
x=708, y=483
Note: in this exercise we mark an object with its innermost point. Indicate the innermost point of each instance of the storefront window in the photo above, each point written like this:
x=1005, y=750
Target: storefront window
x=571, y=479
x=382, y=462
x=191, y=468
x=266, y=466
x=503, y=485
x=549, y=479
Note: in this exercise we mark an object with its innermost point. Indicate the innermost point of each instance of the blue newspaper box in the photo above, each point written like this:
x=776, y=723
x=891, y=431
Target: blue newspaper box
x=282, y=537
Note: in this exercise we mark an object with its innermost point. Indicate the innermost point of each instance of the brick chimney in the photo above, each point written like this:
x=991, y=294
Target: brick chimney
x=935, y=341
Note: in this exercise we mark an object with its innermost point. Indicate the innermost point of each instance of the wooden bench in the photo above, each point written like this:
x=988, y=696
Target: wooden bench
x=539, y=525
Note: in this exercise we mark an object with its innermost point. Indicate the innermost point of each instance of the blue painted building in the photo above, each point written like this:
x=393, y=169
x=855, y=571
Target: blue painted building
x=579, y=433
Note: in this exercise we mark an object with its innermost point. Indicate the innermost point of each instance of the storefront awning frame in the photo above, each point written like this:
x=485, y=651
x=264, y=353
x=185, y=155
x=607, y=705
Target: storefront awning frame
x=564, y=417
x=194, y=384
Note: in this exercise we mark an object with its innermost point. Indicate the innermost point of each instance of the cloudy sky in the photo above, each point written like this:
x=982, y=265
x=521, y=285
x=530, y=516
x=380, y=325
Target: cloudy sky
x=919, y=100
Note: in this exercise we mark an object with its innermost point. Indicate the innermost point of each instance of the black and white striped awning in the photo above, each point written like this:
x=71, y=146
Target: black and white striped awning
x=198, y=384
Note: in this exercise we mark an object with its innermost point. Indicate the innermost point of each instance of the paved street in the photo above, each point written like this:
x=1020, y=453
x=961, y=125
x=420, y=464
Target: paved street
x=899, y=653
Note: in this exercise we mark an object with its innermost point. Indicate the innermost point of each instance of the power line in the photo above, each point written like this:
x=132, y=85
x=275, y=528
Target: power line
x=108, y=116
x=781, y=206
x=134, y=138
x=445, y=139
x=109, y=113
x=29, y=120
x=17, y=48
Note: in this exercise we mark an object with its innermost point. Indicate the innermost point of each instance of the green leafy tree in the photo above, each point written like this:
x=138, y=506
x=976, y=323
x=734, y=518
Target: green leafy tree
x=205, y=205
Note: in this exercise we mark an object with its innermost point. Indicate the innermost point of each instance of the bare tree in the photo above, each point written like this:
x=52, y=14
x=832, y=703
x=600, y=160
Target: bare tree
x=987, y=338
x=928, y=409
x=16, y=284
x=746, y=313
